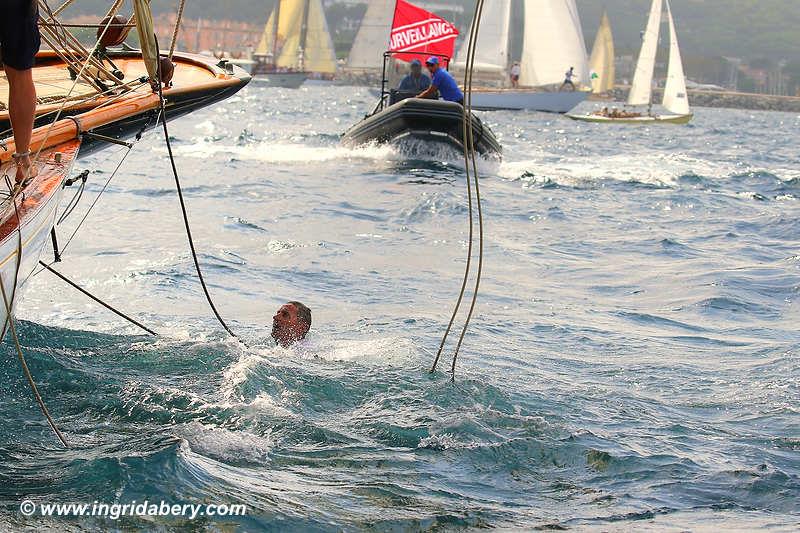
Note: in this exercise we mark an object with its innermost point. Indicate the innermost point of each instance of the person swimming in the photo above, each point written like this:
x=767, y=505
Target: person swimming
x=291, y=323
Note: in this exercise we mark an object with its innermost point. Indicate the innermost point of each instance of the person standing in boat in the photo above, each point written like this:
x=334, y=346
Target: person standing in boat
x=19, y=42
x=514, y=74
x=568, y=79
x=442, y=81
x=415, y=81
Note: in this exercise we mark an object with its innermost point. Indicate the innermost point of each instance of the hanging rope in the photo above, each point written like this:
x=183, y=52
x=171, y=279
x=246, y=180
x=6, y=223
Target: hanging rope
x=96, y=299
x=178, y=19
x=183, y=206
x=9, y=307
x=471, y=151
x=469, y=160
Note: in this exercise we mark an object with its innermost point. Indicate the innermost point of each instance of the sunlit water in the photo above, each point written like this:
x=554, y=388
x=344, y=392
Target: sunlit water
x=632, y=363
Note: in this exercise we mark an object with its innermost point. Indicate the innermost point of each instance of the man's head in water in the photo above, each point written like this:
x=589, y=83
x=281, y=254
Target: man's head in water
x=291, y=323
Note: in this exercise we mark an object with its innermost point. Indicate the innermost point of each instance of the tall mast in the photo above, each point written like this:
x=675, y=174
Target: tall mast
x=275, y=20
x=301, y=52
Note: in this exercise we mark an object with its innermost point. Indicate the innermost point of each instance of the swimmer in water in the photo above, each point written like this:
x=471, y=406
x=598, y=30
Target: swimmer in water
x=291, y=324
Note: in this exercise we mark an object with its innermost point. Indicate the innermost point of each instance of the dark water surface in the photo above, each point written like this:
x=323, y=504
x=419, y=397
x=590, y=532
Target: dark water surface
x=633, y=362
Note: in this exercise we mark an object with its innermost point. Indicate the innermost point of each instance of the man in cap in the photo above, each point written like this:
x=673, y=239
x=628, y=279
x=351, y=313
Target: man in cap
x=443, y=81
x=415, y=81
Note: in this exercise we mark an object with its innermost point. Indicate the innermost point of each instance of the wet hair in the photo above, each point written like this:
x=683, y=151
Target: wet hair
x=303, y=312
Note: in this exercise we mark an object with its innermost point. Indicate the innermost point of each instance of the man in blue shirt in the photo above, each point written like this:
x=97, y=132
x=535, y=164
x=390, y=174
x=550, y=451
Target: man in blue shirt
x=415, y=81
x=443, y=81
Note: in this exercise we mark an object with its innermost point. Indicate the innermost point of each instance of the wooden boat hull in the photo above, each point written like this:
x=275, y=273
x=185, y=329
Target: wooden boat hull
x=527, y=100
x=199, y=82
x=425, y=121
x=36, y=209
x=656, y=119
x=286, y=80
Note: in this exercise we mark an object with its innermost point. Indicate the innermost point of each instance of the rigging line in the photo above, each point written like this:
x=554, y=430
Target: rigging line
x=478, y=202
x=13, y=328
x=114, y=7
x=103, y=189
x=96, y=299
x=97, y=198
x=73, y=47
x=76, y=198
x=470, y=44
x=177, y=28
x=183, y=204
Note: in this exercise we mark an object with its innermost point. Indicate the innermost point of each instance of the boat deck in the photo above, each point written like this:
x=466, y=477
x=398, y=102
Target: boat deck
x=53, y=82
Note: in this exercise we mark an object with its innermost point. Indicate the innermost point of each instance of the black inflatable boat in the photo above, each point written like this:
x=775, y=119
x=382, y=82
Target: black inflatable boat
x=428, y=122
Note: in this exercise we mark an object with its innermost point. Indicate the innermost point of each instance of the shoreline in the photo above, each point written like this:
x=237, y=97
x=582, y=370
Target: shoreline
x=729, y=100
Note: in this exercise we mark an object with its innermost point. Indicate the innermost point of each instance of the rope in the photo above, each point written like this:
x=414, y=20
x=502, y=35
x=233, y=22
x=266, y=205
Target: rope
x=98, y=300
x=466, y=134
x=183, y=206
x=471, y=150
x=74, y=84
x=12, y=326
x=177, y=28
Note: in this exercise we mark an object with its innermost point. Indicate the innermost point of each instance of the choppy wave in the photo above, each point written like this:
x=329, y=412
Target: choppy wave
x=632, y=361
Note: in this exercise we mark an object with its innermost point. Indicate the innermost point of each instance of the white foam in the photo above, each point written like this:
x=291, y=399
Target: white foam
x=655, y=167
x=226, y=445
x=284, y=152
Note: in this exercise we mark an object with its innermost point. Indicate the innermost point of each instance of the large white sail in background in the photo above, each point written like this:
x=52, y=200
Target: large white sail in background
x=642, y=87
x=491, y=53
x=602, y=59
x=675, y=98
x=372, y=39
x=553, y=42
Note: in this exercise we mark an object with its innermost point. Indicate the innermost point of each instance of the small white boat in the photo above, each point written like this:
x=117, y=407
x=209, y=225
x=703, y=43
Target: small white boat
x=675, y=98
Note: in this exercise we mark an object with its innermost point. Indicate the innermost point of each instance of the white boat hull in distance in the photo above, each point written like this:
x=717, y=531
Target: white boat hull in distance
x=655, y=119
x=527, y=100
x=287, y=80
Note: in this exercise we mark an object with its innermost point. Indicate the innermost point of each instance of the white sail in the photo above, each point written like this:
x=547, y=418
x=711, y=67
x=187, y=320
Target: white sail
x=552, y=43
x=675, y=99
x=642, y=87
x=318, y=49
x=372, y=39
x=491, y=54
x=601, y=62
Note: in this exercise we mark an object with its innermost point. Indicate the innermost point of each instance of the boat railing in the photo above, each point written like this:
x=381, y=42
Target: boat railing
x=387, y=98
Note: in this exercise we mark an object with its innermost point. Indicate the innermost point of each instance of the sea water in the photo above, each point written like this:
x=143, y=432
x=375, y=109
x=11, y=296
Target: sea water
x=632, y=362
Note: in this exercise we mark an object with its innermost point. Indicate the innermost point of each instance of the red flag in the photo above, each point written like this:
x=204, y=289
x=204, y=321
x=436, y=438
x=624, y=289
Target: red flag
x=418, y=33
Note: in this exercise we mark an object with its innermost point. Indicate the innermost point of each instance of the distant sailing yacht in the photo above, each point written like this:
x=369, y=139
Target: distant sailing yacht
x=675, y=98
x=552, y=43
x=601, y=62
x=295, y=43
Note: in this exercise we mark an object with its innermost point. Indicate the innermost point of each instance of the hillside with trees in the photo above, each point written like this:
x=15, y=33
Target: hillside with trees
x=739, y=28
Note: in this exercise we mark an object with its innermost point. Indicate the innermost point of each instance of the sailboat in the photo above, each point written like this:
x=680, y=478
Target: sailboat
x=641, y=94
x=366, y=55
x=552, y=43
x=86, y=101
x=296, y=44
x=601, y=61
